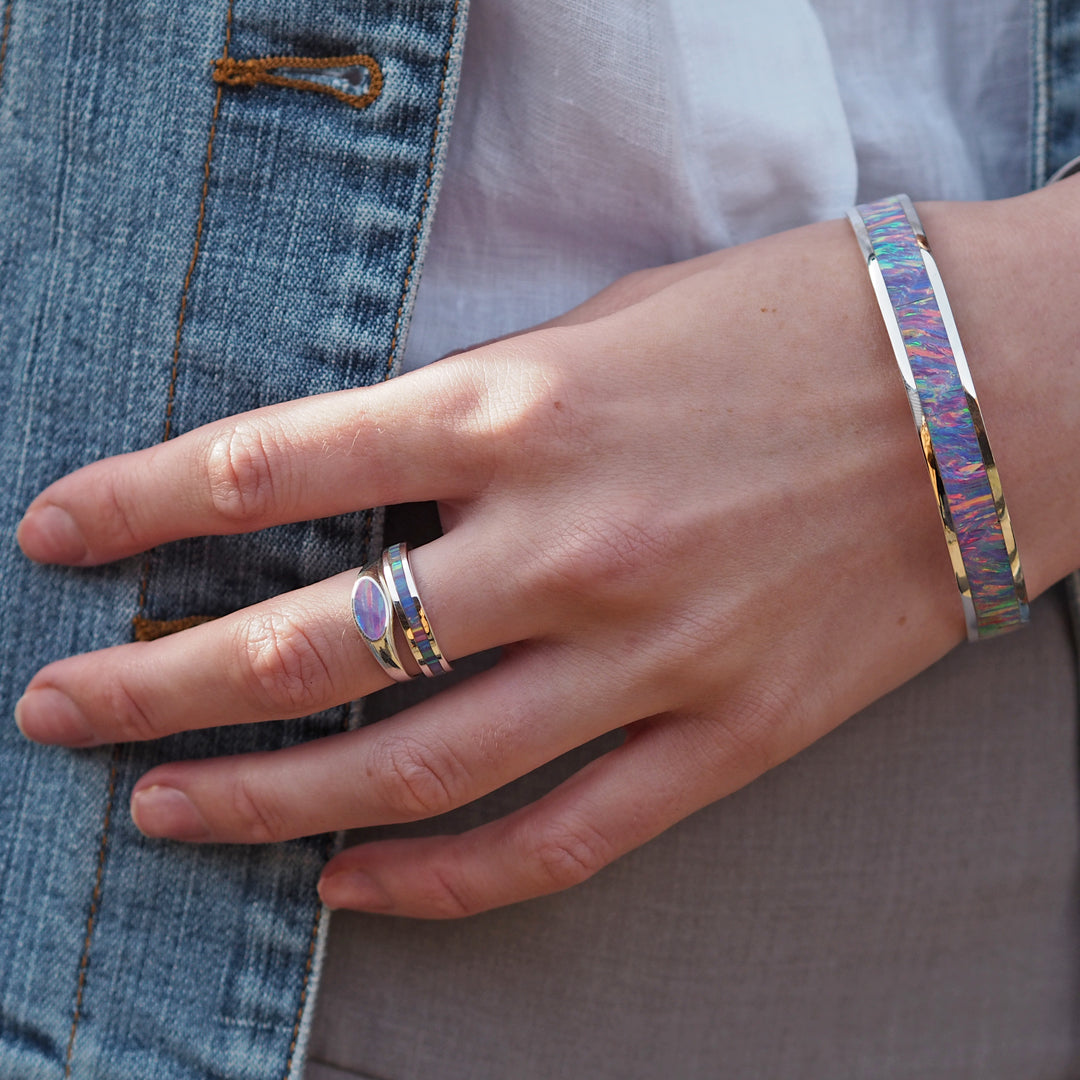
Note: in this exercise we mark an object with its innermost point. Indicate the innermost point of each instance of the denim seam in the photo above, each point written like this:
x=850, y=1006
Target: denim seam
x=432, y=162
x=170, y=403
x=304, y=988
x=247, y=73
x=4, y=38
x=1040, y=46
x=175, y=370
x=95, y=899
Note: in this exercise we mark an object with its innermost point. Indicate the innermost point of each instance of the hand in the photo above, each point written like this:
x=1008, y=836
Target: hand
x=694, y=508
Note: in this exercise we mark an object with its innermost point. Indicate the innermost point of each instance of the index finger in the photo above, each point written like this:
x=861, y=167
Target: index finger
x=415, y=438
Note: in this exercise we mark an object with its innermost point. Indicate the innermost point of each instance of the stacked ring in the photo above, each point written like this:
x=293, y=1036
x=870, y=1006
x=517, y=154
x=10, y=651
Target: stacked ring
x=387, y=587
x=410, y=611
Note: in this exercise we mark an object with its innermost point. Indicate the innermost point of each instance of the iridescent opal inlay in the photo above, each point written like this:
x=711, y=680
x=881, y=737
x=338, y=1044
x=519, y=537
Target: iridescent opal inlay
x=370, y=609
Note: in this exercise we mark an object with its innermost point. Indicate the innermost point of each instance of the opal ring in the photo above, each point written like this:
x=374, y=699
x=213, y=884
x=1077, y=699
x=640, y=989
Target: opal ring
x=385, y=591
x=372, y=610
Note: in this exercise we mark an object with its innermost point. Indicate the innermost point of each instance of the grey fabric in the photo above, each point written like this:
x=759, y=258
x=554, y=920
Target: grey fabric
x=899, y=901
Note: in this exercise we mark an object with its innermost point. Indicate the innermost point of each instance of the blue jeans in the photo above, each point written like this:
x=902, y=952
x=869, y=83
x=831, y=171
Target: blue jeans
x=175, y=249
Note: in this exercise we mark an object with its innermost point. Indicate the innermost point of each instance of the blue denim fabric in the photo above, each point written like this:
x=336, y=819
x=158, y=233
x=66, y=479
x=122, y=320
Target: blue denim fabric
x=173, y=250
x=1056, y=93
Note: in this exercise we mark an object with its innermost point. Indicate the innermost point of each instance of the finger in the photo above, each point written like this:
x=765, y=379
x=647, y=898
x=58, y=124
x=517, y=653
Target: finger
x=290, y=656
x=412, y=439
x=674, y=766
x=440, y=754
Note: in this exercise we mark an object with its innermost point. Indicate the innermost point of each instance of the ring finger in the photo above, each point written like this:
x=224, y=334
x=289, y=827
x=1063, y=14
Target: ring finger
x=287, y=657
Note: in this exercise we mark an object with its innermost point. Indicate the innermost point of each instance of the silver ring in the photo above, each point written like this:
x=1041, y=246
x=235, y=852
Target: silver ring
x=398, y=577
x=371, y=609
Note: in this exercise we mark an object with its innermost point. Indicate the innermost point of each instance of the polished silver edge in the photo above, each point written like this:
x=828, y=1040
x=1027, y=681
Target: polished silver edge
x=971, y=617
x=1068, y=169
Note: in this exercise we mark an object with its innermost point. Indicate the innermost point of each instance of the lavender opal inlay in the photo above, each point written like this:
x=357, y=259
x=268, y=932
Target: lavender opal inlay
x=370, y=609
x=999, y=605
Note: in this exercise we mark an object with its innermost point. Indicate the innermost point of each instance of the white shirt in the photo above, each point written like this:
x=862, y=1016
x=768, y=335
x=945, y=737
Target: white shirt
x=596, y=137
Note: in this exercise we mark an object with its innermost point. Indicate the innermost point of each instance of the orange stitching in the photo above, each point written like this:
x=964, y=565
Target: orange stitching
x=152, y=629
x=304, y=988
x=175, y=372
x=198, y=239
x=228, y=72
x=4, y=38
x=427, y=192
x=144, y=588
x=95, y=898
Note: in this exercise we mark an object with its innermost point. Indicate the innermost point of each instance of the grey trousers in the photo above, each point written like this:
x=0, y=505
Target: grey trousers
x=899, y=901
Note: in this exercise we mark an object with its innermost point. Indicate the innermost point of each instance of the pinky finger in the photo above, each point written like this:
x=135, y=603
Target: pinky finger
x=613, y=805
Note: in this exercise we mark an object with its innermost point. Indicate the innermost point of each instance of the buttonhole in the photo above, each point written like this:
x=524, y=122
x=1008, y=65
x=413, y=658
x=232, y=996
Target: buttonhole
x=355, y=80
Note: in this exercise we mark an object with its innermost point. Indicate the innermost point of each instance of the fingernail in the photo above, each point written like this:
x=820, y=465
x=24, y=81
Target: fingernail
x=166, y=812
x=354, y=889
x=48, y=534
x=49, y=716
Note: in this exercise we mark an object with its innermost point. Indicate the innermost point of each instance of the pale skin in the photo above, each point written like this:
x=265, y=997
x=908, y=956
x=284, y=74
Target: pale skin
x=694, y=508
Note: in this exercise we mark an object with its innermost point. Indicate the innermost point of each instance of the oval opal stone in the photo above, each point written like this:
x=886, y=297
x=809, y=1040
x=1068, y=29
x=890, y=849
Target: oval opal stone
x=370, y=609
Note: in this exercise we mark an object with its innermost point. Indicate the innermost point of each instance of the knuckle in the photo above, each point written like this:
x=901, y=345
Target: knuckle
x=454, y=420
x=612, y=555
x=757, y=722
x=121, y=515
x=256, y=817
x=240, y=471
x=130, y=719
x=448, y=896
x=281, y=666
x=570, y=852
x=526, y=415
x=417, y=780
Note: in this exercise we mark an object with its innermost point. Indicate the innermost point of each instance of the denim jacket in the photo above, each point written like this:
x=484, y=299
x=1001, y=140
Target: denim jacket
x=187, y=232
x=190, y=230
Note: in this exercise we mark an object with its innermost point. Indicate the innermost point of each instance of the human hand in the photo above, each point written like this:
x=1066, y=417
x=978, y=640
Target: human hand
x=693, y=508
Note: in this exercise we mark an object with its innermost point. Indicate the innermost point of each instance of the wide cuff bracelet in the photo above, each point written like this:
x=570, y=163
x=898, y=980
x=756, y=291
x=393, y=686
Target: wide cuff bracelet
x=946, y=411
